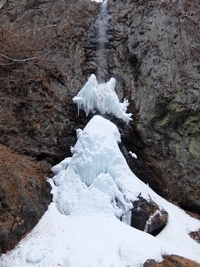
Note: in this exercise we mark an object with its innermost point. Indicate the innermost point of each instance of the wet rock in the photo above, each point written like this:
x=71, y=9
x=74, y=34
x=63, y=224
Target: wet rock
x=148, y=216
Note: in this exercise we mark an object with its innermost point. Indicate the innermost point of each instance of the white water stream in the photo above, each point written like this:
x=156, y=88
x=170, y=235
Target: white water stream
x=102, y=41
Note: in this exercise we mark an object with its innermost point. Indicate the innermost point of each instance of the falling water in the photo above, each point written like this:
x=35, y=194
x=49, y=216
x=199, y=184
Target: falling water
x=102, y=41
x=103, y=25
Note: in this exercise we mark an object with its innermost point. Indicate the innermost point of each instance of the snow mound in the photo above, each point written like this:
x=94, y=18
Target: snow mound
x=101, y=97
x=97, y=177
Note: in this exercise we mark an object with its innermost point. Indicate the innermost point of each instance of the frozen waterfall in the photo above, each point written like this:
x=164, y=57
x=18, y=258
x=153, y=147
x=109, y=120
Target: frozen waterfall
x=96, y=170
x=101, y=97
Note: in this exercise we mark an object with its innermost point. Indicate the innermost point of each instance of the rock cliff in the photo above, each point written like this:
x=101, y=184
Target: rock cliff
x=48, y=50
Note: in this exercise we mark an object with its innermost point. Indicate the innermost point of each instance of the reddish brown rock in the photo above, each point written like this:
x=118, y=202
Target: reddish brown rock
x=196, y=236
x=148, y=216
x=24, y=196
x=172, y=261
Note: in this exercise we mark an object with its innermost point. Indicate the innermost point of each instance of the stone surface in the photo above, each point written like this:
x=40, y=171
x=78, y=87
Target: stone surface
x=172, y=261
x=148, y=217
x=156, y=55
x=196, y=236
x=24, y=196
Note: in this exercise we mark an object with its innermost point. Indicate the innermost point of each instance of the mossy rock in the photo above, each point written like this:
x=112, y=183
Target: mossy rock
x=194, y=148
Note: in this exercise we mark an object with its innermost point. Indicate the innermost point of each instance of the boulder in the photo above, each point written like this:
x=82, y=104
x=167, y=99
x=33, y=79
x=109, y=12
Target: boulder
x=148, y=216
x=195, y=235
x=172, y=261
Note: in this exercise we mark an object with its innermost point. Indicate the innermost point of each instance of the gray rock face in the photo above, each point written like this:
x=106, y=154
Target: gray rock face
x=153, y=52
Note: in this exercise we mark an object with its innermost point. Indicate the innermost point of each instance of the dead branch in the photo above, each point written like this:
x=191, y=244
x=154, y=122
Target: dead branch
x=17, y=60
x=2, y=3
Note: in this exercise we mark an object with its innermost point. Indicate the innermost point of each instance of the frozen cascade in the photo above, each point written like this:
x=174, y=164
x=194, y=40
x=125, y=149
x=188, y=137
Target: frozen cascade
x=101, y=97
x=94, y=164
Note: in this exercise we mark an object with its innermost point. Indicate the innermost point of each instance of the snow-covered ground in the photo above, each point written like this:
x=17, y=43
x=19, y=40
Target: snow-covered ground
x=92, y=190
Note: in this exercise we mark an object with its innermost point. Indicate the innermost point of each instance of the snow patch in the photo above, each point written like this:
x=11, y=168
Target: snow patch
x=133, y=155
x=98, y=1
x=34, y=256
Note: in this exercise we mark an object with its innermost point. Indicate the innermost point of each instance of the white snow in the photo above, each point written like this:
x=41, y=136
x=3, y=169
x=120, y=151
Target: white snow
x=98, y=1
x=101, y=97
x=133, y=154
x=91, y=190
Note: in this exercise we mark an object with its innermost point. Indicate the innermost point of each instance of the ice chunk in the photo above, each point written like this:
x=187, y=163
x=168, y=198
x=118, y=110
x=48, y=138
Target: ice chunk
x=101, y=97
x=61, y=166
x=34, y=256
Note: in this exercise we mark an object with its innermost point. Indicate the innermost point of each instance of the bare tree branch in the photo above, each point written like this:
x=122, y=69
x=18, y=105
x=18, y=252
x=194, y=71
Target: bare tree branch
x=2, y=3
x=21, y=60
x=17, y=60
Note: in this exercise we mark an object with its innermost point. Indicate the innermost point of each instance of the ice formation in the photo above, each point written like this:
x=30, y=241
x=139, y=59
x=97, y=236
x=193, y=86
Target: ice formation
x=97, y=167
x=101, y=97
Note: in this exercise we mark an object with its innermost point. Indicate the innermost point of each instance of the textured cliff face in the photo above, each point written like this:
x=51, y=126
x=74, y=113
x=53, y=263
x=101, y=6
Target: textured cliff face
x=161, y=72
x=153, y=53
x=41, y=64
x=24, y=195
